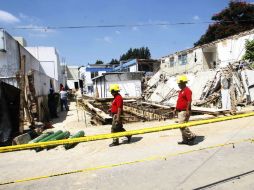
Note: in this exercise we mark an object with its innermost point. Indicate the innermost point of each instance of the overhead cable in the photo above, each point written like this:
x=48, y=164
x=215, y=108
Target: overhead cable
x=124, y=25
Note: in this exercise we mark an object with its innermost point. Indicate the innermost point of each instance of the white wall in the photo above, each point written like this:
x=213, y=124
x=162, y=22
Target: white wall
x=41, y=83
x=87, y=78
x=232, y=49
x=228, y=50
x=133, y=68
x=70, y=84
x=10, y=63
x=9, y=60
x=49, y=62
x=130, y=88
x=190, y=66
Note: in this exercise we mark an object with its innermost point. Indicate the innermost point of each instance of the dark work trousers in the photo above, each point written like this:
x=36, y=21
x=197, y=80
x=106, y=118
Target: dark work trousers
x=116, y=127
x=52, y=106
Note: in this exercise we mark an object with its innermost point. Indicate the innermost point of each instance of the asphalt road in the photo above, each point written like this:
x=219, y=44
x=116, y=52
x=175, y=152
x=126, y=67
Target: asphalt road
x=150, y=161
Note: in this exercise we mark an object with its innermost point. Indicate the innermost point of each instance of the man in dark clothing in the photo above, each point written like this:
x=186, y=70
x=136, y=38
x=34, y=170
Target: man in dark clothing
x=183, y=108
x=116, y=112
x=52, y=105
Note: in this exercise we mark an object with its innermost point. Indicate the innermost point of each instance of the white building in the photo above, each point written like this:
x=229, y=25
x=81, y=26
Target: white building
x=209, y=56
x=150, y=66
x=49, y=64
x=86, y=76
x=73, y=77
x=130, y=84
x=88, y=72
x=10, y=59
x=15, y=61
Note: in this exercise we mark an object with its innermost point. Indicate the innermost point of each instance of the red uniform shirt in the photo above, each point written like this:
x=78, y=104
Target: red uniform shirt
x=184, y=97
x=117, y=103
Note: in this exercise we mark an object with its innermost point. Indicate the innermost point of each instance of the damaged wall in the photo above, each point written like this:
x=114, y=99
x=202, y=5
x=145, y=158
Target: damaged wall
x=166, y=90
x=209, y=56
x=130, y=84
x=11, y=64
x=9, y=58
x=226, y=88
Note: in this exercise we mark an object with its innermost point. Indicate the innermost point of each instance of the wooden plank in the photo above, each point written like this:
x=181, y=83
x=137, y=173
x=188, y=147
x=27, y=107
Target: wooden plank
x=105, y=117
x=208, y=110
x=157, y=105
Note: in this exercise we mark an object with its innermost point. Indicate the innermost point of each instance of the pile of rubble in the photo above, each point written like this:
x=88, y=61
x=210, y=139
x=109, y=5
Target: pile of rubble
x=226, y=88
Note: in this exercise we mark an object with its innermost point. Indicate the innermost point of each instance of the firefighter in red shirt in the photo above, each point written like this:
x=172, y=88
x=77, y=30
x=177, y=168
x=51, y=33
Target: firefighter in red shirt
x=183, y=108
x=116, y=112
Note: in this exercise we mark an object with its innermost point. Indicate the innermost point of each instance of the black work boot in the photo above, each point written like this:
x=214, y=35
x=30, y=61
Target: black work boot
x=184, y=142
x=192, y=141
x=128, y=138
x=114, y=143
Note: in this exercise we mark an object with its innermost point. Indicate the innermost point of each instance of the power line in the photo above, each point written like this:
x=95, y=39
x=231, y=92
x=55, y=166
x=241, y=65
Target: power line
x=125, y=25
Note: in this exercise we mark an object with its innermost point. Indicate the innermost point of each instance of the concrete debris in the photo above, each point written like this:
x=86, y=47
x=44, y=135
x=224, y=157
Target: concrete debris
x=226, y=88
x=21, y=139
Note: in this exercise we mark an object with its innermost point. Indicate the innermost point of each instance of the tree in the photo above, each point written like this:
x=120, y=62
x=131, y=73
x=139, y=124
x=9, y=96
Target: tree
x=237, y=17
x=249, y=53
x=114, y=62
x=136, y=53
x=99, y=62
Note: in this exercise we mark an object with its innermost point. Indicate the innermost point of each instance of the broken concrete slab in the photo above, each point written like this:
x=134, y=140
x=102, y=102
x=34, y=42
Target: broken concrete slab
x=22, y=139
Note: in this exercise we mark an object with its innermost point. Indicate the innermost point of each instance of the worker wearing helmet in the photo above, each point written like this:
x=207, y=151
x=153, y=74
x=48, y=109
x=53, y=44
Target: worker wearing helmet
x=117, y=111
x=183, y=108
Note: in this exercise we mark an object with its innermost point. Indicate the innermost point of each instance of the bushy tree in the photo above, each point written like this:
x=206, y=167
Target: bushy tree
x=249, y=53
x=136, y=53
x=236, y=18
x=99, y=62
x=114, y=62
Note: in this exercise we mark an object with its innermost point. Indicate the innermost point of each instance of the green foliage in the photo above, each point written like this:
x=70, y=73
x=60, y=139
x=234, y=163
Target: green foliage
x=99, y=62
x=237, y=17
x=114, y=62
x=136, y=53
x=249, y=53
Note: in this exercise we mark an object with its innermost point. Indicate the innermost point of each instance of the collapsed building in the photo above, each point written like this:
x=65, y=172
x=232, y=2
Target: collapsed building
x=220, y=80
x=218, y=76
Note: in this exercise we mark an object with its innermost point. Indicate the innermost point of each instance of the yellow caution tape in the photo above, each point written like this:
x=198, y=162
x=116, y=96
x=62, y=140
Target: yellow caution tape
x=152, y=158
x=120, y=134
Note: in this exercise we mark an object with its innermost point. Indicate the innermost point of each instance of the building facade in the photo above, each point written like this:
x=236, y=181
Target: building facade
x=130, y=84
x=209, y=56
x=49, y=64
x=149, y=66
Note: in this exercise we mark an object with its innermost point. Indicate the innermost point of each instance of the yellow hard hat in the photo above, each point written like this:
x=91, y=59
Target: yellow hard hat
x=182, y=78
x=114, y=87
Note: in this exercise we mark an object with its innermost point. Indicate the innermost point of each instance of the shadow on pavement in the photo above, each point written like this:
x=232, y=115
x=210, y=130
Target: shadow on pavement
x=61, y=117
x=198, y=139
x=133, y=140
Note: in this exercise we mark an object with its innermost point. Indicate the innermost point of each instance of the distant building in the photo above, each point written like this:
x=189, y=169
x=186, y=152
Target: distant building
x=149, y=66
x=87, y=73
x=73, y=77
x=208, y=56
x=130, y=84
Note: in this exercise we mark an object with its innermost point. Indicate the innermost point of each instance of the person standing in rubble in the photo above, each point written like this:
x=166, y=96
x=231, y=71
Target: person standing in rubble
x=183, y=109
x=116, y=111
x=63, y=99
